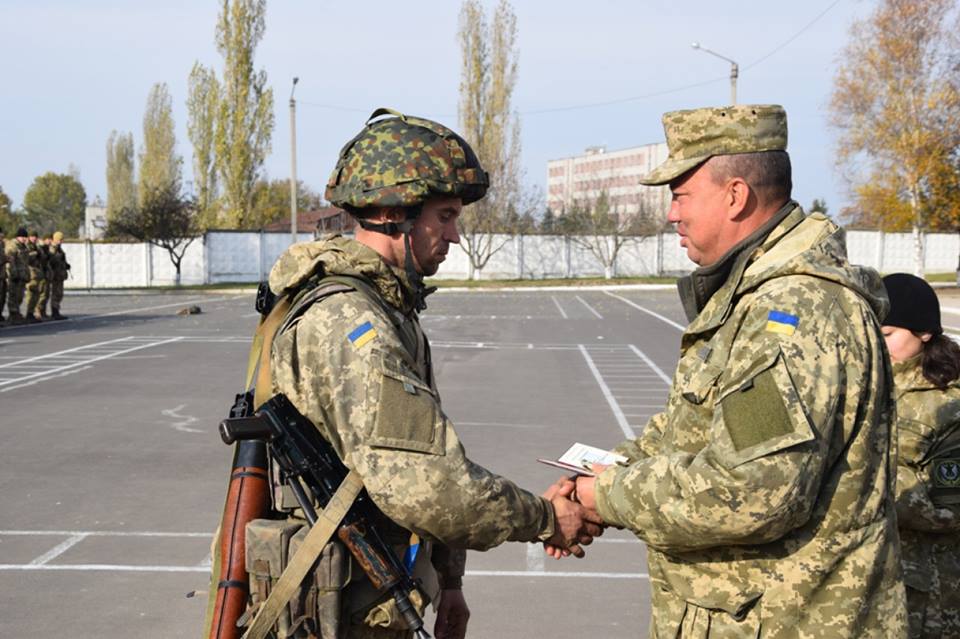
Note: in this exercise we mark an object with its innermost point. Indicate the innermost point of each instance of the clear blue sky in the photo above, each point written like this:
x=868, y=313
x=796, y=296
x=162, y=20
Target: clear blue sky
x=74, y=71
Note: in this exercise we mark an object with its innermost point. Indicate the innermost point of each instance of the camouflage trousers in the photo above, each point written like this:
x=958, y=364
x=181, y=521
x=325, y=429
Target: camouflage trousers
x=56, y=295
x=14, y=296
x=44, y=298
x=33, y=295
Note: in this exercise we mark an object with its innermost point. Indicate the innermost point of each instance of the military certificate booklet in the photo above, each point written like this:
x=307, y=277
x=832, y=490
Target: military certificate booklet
x=579, y=458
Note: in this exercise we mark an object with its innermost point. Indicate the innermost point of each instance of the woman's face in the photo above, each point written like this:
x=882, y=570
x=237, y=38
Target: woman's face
x=903, y=343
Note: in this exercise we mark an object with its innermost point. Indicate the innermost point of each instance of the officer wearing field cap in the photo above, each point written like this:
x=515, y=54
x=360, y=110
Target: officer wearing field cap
x=764, y=490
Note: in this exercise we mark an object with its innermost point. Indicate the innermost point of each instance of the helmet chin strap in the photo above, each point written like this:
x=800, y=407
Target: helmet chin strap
x=420, y=291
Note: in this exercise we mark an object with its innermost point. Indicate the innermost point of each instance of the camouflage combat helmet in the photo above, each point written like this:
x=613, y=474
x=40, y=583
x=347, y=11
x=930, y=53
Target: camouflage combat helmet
x=403, y=160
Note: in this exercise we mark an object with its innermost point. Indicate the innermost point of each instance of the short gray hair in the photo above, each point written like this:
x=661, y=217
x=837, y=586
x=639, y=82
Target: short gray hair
x=768, y=173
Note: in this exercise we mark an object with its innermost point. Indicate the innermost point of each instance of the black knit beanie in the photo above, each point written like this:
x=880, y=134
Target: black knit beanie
x=913, y=304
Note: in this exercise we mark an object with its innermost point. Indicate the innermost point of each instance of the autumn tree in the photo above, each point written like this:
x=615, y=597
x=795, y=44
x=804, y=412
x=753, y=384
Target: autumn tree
x=244, y=122
x=166, y=218
x=896, y=104
x=9, y=221
x=160, y=165
x=55, y=202
x=272, y=200
x=203, y=103
x=490, y=124
x=121, y=182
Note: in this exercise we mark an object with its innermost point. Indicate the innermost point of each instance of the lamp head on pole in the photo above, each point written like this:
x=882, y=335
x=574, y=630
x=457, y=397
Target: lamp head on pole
x=695, y=45
x=294, y=87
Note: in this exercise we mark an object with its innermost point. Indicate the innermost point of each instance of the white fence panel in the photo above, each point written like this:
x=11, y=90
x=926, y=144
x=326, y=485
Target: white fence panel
x=191, y=267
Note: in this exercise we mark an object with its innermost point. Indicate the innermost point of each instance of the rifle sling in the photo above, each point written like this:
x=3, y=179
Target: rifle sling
x=327, y=524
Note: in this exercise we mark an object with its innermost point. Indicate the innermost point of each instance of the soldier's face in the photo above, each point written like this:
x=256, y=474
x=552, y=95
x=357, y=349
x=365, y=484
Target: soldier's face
x=902, y=343
x=434, y=231
x=698, y=211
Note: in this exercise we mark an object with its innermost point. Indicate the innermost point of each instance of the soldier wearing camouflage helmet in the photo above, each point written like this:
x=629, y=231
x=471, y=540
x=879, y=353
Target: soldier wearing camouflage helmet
x=764, y=490
x=351, y=356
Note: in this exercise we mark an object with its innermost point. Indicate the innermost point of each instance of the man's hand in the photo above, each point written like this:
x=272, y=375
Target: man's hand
x=576, y=526
x=585, y=488
x=452, y=615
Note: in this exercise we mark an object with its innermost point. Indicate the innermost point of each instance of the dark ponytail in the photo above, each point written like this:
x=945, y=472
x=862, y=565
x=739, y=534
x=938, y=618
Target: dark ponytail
x=941, y=361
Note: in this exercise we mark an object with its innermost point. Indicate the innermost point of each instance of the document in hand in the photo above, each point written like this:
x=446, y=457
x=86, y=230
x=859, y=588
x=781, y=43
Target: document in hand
x=579, y=458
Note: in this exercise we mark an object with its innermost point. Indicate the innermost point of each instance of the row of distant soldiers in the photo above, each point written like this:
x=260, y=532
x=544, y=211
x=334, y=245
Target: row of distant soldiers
x=35, y=269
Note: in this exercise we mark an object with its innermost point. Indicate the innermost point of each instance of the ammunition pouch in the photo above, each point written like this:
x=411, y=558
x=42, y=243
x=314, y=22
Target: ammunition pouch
x=316, y=609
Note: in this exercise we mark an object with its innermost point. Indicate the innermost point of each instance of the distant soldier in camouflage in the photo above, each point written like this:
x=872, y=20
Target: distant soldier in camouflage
x=765, y=489
x=36, y=277
x=59, y=271
x=926, y=368
x=44, y=247
x=16, y=274
x=351, y=356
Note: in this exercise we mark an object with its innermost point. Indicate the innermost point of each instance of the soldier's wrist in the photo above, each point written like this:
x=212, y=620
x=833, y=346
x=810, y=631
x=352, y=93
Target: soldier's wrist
x=548, y=521
x=451, y=582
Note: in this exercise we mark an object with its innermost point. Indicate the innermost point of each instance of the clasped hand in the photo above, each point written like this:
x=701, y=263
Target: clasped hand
x=576, y=516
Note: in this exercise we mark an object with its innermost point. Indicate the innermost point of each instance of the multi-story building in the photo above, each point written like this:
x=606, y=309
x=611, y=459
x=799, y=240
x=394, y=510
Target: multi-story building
x=581, y=179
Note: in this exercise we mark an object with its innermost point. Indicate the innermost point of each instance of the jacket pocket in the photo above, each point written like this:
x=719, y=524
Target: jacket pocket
x=760, y=412
x=408, y=415
x=724, y=616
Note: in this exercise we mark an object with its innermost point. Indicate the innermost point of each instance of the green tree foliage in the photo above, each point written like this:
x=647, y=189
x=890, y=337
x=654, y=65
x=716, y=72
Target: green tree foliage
x=272, y=201
x=121, y=181
x=488, y=121
x=160, y=166
x=896, y=103
x=9, y=221
x=166, y=218
x=245, y=118
x=55, y=202
x=203, y=103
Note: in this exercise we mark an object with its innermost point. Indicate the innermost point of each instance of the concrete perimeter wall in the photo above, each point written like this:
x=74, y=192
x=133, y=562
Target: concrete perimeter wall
x=243, y=256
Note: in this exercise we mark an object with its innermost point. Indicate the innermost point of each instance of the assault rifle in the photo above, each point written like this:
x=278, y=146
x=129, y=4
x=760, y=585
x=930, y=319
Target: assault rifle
x=308, y=463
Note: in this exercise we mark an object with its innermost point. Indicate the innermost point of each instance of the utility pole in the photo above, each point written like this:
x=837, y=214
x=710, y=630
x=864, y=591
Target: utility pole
x=293, y=164
x=734, y=70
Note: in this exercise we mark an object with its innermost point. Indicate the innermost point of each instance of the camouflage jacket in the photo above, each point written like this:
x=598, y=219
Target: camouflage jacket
x=928, y=480
x=58, y=264
x=36, y=264
x=16, y=266
x=344, y=366
x=765, y=489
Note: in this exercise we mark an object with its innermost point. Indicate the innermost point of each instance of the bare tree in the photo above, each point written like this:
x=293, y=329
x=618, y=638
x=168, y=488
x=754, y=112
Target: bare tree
x=166, y=218
x=603, y=227
x=490, y=124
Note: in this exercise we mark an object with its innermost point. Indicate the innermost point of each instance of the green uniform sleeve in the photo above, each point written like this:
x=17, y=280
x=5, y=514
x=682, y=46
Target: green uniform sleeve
x=769, y=415
x=918, y=459
x=345, y=369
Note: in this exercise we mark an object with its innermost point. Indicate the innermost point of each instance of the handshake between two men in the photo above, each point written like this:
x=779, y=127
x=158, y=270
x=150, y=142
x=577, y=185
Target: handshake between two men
x=577, y=520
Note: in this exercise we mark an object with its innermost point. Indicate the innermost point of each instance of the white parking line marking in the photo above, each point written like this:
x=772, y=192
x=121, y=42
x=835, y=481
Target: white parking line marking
x=185, y=420
x=58, y=550
x=559, y=308
x=649, y=362
x=37, y=380
x=621, y=420
x=589, y=308
x=660, y=317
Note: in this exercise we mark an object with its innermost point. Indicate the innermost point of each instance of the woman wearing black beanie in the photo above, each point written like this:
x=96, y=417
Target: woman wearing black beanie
x=926, y=367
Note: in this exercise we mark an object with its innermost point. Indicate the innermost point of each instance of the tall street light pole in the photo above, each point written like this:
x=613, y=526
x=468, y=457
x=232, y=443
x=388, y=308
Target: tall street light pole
x=293, y=164
x=734, y=70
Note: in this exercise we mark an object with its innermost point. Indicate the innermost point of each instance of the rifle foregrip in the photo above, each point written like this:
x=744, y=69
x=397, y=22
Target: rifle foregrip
x=239, y=428
x=376, y=566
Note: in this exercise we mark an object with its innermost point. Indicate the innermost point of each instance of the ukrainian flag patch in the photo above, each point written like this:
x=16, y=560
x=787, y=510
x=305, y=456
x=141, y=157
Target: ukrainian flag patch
x=782, y=323
x=362, y=334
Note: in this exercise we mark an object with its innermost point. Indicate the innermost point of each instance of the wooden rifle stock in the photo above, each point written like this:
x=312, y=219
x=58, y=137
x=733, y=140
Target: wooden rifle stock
x=248, y=498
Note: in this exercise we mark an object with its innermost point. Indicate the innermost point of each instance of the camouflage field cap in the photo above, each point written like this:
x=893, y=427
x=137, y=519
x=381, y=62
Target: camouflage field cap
x=696, y=135
x=403, y=160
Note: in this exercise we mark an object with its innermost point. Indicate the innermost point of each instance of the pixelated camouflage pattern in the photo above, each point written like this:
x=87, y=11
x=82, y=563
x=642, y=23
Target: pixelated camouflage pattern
x=928, y=425
x=696, y=135
x=403, y=160
x=378, y=405
x=793, y=533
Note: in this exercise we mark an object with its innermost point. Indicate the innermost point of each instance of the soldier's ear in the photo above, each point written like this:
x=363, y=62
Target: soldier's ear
x=738, y=197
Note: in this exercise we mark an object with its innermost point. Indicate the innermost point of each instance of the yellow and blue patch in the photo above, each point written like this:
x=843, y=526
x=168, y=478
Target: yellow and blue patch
x=362, y=334
x=783, y=323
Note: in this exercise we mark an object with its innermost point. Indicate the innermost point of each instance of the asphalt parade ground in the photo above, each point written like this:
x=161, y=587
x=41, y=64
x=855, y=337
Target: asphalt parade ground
x=112, y=475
